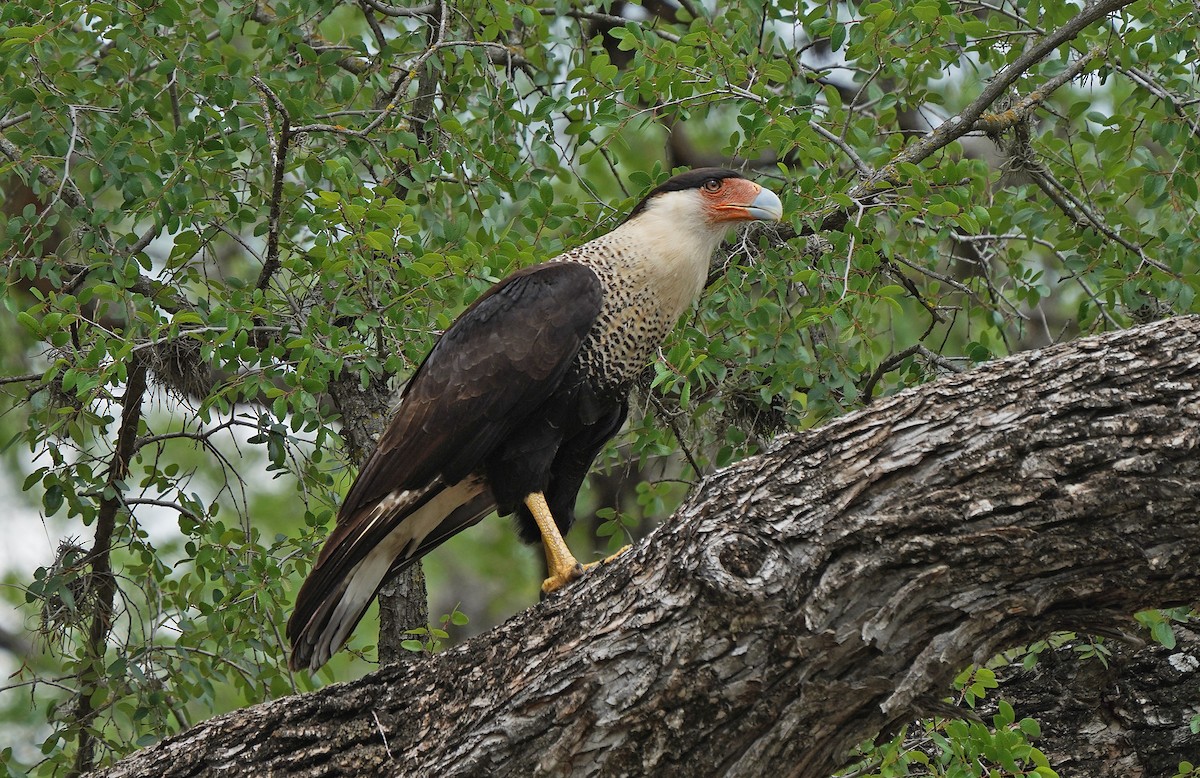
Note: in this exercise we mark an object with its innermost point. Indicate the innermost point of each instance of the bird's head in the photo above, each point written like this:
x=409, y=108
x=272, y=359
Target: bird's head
x=709, y=198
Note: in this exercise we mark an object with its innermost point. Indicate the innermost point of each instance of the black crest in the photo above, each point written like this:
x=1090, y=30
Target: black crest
x=691, y=179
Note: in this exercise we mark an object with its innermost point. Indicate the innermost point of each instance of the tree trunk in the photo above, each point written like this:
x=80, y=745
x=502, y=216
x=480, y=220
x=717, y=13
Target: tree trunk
x=804, y=599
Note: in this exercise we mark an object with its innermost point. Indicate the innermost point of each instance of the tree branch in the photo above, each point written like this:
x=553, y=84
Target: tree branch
x=972, y=118
x=94, y=668
x=805, y=599
x=351, y=64
x=962, y=123
x=996, y=123
x=279, y=145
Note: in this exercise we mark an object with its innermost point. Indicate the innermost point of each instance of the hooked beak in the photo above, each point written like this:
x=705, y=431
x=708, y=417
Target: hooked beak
x=766, y=207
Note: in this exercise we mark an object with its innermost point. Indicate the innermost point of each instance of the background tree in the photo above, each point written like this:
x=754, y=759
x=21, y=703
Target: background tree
x=230, y=228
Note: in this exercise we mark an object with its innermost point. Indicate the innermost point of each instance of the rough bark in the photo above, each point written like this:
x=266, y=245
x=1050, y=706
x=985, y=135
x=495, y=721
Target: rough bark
x=804, y=599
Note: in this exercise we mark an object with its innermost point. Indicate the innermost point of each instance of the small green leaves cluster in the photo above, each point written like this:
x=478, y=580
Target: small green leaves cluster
x=1159, y=623
x=429, y=639
x=961, y=748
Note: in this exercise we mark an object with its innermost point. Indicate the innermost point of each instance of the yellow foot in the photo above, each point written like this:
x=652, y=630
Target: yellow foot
x=561, y=577
x=565, y=575
x=607, y=559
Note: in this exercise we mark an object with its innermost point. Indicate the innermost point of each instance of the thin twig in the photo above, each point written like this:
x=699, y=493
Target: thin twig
x=145, y=240
x=128, y=501
x=961, y=123
x=373, y=23
x=1079, y=212
x=691, y=8
x=391, y=98
x=395, y=11
x=616, y=21
x=279, y=150
x=383, y=736
x=962, y=237
x=671, y=422
x=15, y=120
x=356, y=65
x=889, y=176
x=888, y=364
x=17, y=379
x=69, y=194
x=863, y=168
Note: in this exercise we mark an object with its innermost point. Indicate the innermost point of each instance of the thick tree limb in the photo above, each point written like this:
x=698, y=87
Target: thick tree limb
x=804, y=599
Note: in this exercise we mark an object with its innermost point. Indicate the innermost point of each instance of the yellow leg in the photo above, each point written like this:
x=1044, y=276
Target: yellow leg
x=561, y=563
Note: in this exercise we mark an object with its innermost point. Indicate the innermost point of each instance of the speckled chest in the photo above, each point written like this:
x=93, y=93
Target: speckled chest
x=643, y=298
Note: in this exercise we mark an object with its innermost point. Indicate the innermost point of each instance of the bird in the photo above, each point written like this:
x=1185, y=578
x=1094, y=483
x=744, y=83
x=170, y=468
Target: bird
x=517, y=398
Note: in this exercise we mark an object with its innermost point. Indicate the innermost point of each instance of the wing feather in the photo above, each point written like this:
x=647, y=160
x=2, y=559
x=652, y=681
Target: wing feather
x=495, y=365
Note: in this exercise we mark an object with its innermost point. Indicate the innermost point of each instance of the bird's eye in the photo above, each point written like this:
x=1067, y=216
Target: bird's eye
x=712, y=185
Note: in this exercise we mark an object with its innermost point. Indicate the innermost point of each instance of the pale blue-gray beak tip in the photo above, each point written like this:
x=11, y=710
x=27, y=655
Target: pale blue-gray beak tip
x=766, y=207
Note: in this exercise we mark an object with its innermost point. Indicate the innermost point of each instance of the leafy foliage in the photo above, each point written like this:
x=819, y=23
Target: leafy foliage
x=263, y=216
x=429, y=639
x=954, y=748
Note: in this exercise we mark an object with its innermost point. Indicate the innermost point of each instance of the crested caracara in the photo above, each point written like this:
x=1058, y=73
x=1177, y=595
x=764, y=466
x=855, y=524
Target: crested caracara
x=517, y=398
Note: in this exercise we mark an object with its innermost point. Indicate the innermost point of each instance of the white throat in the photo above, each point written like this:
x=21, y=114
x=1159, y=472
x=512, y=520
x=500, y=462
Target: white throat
x=674, y=248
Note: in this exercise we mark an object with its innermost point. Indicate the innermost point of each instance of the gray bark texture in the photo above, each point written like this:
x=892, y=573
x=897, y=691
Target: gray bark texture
x=807, y=598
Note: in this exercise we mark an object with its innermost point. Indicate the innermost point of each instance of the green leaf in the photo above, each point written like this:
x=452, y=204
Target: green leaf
x=1163, y=634
x=380, y=241
x=927, y=12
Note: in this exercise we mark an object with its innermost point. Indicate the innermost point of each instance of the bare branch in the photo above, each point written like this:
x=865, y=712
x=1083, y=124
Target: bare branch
x=68, y=191
x=1080, y=213
x=889, y=177
x=891, y=362
x=129, y=501
x=14, y=120
x=391, y=100
x=995, y=123
x=100, y=560
x=395, y=11
x=615, y=21
x=963, y=122
x=17, y=379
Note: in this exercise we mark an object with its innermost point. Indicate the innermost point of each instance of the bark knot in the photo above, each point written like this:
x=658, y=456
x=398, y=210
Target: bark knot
x=744, y=557
x=740, y=566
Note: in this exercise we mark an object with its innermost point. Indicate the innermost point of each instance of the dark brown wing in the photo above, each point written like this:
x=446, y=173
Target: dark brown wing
x=494, y=366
